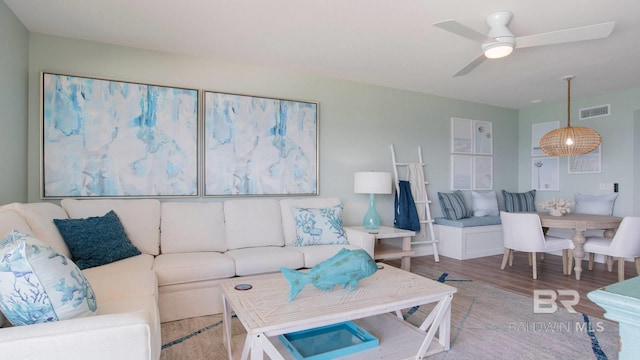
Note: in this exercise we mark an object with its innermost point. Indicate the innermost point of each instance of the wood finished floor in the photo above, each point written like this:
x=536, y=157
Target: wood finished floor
x=519, y=278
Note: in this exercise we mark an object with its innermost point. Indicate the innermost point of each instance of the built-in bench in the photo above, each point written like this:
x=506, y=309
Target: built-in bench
x=469, y=238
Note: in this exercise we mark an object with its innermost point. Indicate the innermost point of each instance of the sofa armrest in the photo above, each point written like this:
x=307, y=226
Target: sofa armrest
x=112, y=336
x=361, y=239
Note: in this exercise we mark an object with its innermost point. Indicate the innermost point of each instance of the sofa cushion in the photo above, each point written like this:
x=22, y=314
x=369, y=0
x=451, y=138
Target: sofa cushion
x=266, y=259
x=140, y=218
x=110, y=286
x=319, y=226
x=595, y=204
x=135, y=263
x=519, y=202
x=189, y=227
x=288, y=224
x=485, y=203
x=38, y=284
x=313, y=255
x=253, y=223
x=96, y=240
x=183, y=268
x=453, y=205
x=40, y=217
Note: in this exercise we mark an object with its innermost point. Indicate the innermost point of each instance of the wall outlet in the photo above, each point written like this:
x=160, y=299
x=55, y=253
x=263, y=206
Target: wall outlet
x=606, y=186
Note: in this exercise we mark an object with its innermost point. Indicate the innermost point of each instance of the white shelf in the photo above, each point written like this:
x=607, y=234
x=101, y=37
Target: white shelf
x=399, y=340
x=385, y=251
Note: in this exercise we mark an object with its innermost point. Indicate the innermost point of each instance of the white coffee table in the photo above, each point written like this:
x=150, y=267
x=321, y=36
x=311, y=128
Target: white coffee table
x=375, y=305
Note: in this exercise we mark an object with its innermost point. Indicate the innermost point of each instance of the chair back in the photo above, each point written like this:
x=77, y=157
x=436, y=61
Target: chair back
x=626, y=241
x=522, y=232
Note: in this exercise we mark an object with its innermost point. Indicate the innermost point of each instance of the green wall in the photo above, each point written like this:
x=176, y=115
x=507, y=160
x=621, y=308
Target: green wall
x=14, y=57
x=620, y=146
x=357, y=122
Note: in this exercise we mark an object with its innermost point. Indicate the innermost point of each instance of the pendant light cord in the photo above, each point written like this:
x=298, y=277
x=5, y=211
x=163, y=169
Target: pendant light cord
x=568, y=102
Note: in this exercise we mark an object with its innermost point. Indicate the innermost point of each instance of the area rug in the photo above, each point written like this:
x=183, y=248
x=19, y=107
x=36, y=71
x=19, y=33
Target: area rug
x=487, y=323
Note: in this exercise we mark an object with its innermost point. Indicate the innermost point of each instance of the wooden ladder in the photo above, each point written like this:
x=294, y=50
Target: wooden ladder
x=426, y=222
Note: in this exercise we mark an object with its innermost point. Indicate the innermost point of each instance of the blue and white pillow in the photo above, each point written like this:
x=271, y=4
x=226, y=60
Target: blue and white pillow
x=453, y=205
x=38, y=284
x=519, y=202
x=319, y=226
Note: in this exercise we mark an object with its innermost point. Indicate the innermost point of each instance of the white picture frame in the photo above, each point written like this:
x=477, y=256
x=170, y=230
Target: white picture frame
x=545, y=174
x=461, y=172
x=590, y=163
x=537, y=132
x=482, y=173
x=483, y=137
x=461, y=136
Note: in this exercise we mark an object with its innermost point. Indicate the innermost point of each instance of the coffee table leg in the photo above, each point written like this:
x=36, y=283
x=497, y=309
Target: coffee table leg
x=444, y=335
x=259, y=344
x=226, y=328
x=578, y=252
x=438, y=320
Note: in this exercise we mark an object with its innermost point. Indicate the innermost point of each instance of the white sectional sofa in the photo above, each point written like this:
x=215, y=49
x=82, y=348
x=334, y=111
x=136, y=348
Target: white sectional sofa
x=186, y=249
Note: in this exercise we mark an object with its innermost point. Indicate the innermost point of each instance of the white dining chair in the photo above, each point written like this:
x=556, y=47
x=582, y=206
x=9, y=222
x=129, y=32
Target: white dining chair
x=624, y=244
x=523, y=232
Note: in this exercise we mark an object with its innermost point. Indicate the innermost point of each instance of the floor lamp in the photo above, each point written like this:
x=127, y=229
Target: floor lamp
x=372, y=182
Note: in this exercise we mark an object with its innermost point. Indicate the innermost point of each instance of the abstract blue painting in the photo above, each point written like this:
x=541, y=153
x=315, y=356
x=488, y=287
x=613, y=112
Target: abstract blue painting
x=259, y=146
x=104, y=138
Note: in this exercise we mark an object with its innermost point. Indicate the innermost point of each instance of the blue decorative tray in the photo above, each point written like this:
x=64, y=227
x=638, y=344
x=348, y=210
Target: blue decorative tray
x=328, y=342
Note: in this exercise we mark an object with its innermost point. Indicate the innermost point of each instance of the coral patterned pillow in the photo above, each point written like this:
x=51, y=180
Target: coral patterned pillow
x=321, y=226
x=38, y=284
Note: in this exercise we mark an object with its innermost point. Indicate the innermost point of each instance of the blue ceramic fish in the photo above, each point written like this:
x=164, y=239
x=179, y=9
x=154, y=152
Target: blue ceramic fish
x=347, y=267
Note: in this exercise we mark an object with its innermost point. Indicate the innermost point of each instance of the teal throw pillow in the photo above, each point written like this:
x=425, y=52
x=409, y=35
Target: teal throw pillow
x=319, y=226
x=453, y=205
x=38, y=284
x=519, y=202
x=96, y=241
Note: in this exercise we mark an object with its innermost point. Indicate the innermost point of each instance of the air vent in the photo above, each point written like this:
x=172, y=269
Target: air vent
x=595, y=111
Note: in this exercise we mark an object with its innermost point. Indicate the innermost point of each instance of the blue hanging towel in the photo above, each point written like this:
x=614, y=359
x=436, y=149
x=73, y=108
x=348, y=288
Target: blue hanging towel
x=406, y=215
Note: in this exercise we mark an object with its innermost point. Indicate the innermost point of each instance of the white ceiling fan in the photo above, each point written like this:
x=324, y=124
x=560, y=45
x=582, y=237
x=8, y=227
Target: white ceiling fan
x=500, y=42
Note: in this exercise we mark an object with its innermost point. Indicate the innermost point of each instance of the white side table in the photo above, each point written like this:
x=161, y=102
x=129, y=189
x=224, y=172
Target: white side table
x=388, y=251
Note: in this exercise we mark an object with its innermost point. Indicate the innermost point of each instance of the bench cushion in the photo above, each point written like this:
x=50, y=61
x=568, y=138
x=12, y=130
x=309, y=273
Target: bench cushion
x=471, y=221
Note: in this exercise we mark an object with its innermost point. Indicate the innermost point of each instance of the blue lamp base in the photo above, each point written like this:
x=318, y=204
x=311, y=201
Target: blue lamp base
x=371, y=219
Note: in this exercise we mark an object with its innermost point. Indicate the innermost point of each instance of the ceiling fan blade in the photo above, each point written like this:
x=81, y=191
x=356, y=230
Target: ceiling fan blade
x=462, y=30
x=589, y=32
x=470, y=66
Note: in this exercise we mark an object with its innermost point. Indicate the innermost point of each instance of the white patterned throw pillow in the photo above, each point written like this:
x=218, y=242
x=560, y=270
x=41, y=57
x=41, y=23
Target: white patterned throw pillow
x=321, y=226
x=38, y=284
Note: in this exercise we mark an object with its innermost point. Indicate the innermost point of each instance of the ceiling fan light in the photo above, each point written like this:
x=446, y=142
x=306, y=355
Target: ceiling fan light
x=497, y=50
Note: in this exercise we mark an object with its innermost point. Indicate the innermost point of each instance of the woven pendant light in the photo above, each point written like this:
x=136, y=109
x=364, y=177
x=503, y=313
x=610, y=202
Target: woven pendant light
x=568, y=141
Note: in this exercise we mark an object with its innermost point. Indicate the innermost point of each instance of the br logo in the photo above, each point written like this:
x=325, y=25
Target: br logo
x=544, y=301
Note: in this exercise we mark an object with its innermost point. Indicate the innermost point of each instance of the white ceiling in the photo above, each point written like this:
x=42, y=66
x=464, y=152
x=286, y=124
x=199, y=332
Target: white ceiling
x=384, y=42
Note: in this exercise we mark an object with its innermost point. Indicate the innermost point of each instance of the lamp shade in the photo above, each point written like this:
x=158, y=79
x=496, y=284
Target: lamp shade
x=372, y=182
x=569, y=141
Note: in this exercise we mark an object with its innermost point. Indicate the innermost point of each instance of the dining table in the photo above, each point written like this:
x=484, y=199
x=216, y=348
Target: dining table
x=580, y=223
